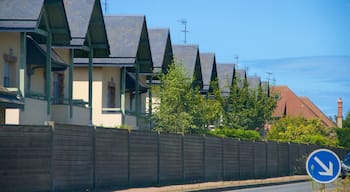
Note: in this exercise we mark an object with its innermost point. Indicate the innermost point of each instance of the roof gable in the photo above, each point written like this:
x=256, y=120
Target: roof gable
x=254, y=82
x=208, y=65
x=161, y=48
x=290, y=105
x=187, y=55
x=225, y=76
x=23, y=20
x=87, y=23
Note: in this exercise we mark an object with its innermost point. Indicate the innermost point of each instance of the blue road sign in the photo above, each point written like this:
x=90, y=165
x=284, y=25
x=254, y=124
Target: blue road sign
x=323, y=166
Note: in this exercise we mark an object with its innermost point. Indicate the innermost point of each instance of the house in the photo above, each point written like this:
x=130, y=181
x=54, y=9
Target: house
x=188, y=56
x=119, y=81
x=30, y=58
x=290, y=105
x=162, y=57
x=225, y=78
x=209, y=72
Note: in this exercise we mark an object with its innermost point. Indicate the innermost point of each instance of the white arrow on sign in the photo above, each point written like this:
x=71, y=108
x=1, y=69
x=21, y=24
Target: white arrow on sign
x=328, y=170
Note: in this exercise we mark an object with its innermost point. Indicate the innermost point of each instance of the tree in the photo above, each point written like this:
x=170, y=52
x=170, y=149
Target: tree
x=182, y=108
x=346, y=122
x=301, y=130
x=246, y=108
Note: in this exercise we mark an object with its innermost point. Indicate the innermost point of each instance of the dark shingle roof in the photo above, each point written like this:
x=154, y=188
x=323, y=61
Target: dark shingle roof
x=225, y=75
x=78, y=15
x=208, y=65
x=85, y=17
x=161, y=48
x=17, y=11
x=188, y=56
x=19, y=15
x=128, y=39
x=254, y=82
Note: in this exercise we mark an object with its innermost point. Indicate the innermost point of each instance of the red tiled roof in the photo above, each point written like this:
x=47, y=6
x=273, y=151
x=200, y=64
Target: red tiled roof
x=290, y=105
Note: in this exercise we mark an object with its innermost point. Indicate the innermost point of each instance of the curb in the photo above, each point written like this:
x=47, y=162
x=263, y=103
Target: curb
x=224, y=185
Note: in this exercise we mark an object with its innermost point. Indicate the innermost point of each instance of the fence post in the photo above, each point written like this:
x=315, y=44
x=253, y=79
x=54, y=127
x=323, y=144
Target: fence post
x=94, y=158
x=289, y=167
x=253, y=156
x=266, y=159
x=222, y=160
x=183, y=158
x=52, y=171
x=278, y=160
x=203, y=157
x=158, y=158
x=239, y=158
x=129, y=164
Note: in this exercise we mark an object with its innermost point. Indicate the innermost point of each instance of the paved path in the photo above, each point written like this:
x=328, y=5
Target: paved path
x=222, y=184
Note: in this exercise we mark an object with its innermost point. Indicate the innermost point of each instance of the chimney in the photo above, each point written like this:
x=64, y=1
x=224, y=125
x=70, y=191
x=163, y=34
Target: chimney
x=340, y=113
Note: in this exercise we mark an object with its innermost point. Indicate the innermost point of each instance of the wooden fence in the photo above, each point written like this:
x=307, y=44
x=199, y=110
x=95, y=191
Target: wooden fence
x=79, y=158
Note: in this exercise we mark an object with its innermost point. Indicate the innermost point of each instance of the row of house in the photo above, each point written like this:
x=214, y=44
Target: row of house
x=63, y=61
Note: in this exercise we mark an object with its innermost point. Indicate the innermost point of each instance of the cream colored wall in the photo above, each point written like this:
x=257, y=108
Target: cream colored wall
x=38, y=81
x=60, y=114
x=34, y=113
x=130, y=121
x=80, y=84
x=10, y=41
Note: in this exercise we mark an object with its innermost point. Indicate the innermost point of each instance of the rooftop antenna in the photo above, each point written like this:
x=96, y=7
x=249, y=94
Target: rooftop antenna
x=236, y=57
x=185, y=31
x=106, y=4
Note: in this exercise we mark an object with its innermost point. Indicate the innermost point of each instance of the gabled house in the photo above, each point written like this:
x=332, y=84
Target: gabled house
x=209, y=72
x=225, y=78
x=188, y=56
x=162, y=57
x=29, y=34
x=89, y=40
x=290, y=105
x=119, y=81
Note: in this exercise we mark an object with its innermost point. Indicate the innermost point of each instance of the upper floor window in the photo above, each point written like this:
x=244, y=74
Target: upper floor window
x=111, y=94
x=6, y=75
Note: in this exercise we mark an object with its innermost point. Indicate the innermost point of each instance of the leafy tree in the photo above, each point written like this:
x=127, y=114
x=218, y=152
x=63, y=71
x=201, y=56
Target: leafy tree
x=301, y=130
x=346, y=122
x=182, y=108
x=246, y=108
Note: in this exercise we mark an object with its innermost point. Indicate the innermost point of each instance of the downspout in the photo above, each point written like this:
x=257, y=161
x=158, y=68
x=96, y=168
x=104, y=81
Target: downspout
x=48, y=73
x=23, y=39
x=137, y=96
x=122, y=94
x=70, y=91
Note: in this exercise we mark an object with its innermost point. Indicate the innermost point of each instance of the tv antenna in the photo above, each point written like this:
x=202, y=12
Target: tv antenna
x=106, y=5
x=236, y=57
x=270, y=77
x=185, y=31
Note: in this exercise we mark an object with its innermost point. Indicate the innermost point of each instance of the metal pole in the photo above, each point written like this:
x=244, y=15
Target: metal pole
x=48, y=74
x=70, y=91
x=122, y=94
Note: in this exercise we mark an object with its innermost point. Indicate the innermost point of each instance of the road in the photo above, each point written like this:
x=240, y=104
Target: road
x=290, y=187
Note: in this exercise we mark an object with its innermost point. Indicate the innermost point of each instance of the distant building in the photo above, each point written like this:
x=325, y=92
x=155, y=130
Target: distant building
x=291, y=105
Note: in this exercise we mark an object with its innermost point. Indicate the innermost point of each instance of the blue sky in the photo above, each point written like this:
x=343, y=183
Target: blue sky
x=304, y=43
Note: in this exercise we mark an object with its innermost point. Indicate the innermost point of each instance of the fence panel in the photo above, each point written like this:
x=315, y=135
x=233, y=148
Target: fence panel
x=231, y=158
x=260, y=159
x=111, y=156
x=213, y=158
x=170, y=158
x=272, y=159
x=246, y=159
x=73, y=157
x=25, y=156
x=193, y=158
x=303, y=154
x=283, y=159
x=143, y=158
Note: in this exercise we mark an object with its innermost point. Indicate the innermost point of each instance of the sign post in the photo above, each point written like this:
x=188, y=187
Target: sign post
x=323, y=166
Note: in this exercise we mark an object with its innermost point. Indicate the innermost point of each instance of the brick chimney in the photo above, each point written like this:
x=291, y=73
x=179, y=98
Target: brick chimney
x=340, y=113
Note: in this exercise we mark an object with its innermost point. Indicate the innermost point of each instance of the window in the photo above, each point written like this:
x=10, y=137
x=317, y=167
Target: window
x=111, y=94
x=6, y=75
x=58, y=88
